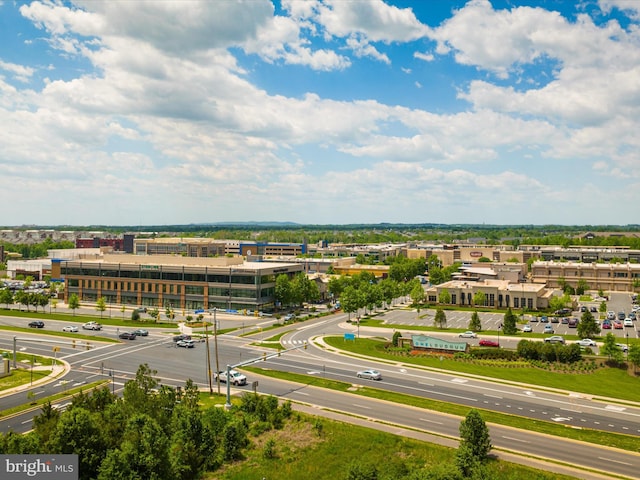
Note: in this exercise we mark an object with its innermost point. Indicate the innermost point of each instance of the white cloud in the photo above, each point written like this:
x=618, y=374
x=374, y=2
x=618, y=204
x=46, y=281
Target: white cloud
x=20, y=72
x=427, y=57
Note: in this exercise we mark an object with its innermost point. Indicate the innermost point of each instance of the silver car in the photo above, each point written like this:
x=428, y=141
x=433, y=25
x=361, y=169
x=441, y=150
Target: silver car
x=370, y=374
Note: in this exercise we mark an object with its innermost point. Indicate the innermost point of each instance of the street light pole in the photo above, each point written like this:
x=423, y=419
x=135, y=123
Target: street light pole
x=215, y=342
x=206, y=339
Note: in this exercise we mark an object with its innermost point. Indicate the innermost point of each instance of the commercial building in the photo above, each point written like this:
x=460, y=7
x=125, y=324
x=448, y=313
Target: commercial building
x=207, y=247
x=173, y=281
x=617, y=277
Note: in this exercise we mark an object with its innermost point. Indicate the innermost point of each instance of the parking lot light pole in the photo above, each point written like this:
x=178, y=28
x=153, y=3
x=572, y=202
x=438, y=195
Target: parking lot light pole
x=627, y=335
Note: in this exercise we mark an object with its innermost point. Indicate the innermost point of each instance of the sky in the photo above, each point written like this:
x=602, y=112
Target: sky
x=319, y=112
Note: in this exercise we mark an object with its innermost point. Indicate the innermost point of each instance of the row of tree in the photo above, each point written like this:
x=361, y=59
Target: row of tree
x=152, y=432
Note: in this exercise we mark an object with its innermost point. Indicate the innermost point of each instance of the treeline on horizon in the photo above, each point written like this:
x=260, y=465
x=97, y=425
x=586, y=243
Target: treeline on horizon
x=361, y=234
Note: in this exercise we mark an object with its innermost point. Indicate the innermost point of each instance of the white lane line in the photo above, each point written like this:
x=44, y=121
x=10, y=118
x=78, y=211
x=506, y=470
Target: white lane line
x=615, y=461
x=300, y=393
x=361, y=406
x=493, y=396
x=515, y=439
x=431, y=421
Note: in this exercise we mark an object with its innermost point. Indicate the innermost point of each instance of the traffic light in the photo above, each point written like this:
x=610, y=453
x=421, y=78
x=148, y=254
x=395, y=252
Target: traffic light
x=73, y=343
x=305, y=345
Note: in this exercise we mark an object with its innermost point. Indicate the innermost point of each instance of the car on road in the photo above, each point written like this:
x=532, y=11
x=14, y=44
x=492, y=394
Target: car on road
x=488, y=343
x=186, y=343
x=468, y=334
x=127, y=336
x=235, y=377
x=141, y=332
x=548, y=329
x=623, y=347
x=628, y=322
x=70, y=328
x=182, y=336
x=92, y=326
x=370, y=374
x=289, y=317
x=586, y=342
x=36, y=324
x=555, y=339
x=527, y=328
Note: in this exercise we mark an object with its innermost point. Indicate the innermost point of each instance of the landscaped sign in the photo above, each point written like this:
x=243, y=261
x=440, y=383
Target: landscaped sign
x=432, y=343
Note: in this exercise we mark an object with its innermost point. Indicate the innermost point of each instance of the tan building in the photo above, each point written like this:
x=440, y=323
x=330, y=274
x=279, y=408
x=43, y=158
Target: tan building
x=617, y=277
x=497, y=294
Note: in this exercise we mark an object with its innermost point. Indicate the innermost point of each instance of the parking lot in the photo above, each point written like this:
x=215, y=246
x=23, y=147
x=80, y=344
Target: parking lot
x=618, y=302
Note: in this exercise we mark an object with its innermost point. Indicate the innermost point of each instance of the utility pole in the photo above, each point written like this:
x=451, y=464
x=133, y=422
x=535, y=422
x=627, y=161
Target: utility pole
x=215, y=341
x=206, y=339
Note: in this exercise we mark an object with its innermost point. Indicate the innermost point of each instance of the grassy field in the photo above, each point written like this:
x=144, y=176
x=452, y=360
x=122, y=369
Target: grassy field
x=318, y=448
x=605, y=382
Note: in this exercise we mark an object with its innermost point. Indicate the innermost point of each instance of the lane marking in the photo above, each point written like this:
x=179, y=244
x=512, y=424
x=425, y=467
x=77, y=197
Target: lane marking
x=515, y=439
x=430, y=421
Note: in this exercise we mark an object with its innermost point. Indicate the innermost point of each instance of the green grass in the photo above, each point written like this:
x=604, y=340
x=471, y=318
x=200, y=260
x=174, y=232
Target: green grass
x=625, y=442
x=52, y=333
x=605, y=382
x=113, y=320
x=321, y=449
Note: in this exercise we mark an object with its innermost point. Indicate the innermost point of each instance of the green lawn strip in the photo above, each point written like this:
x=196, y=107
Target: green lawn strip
x=66, y=335
x=624, y=442
x=52, y=398
x=20, y=377
x=605, y=382
x=316, y=448
x=63, y=317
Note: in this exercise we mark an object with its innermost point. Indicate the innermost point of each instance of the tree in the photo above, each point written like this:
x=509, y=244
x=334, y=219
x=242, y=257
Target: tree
x=101, y=305
x=603, y=307
x=6, y=296
x=582, y=287
x=479, y=298
x=440, y=320
x=610, y=349
x=475, y=441
x=509, y=323
x=444, y=297
x=556, y=303
x=418, y=296
x=349, y=300
x=588, y=327
x=474, y=324
x=283, y=289
x=74, y=302
x=633, y=355
x=484, y=260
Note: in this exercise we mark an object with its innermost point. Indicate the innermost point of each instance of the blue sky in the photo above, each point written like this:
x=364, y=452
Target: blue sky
x=319, y=111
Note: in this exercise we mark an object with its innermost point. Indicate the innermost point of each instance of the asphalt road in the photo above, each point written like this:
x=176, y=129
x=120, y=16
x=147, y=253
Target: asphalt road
x=175, y=365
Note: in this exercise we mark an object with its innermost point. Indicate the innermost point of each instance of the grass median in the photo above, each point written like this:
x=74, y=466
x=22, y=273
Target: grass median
x=624, y=442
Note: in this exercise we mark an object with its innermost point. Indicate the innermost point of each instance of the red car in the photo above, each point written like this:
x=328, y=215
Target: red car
x=488, y=343
x=606, y=325
x=618, y=325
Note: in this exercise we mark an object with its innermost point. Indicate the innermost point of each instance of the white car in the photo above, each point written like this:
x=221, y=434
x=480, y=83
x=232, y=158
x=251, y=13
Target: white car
x=370, y=374
x=623, y=347
x=586, y=342
x=70, y=328
x=527, y=328
x=92, y=326
x=468, y=334
x=628, y=322
x=236, y=378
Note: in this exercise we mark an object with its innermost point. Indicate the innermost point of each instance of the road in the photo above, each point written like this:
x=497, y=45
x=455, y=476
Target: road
x=172, y=363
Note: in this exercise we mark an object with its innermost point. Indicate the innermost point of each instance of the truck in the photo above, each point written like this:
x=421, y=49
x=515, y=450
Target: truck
x=236, y=378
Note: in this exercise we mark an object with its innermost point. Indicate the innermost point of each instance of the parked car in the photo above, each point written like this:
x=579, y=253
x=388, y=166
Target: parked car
x=370, y=374
x=555, y=320
x=606, y=324
x=632, y=315
x=618, y=325
x=628, y=322
x=583, y=308
x=127, y=336
x=236, y=378
x=563, y=312
x=548, y=329
x=534, y=319
x=621, y=315
x=586, y=342
x=565, y=320
x=488, y=343
x=70, y=328
x=593, y=309
x=611, y=315
x=36, y=324
x=573, y=323
x=544, y=319
x=141, y=332
x=186, y=343
x=555, y=339
x=468, y=334
x=527, y=328
x=289, y=317
x=92, y=326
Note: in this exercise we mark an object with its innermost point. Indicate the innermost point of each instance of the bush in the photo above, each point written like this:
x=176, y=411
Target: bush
x=269, y=451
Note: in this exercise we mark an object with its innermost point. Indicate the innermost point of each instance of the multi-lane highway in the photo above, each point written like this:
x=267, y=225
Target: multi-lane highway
x=175, y=365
